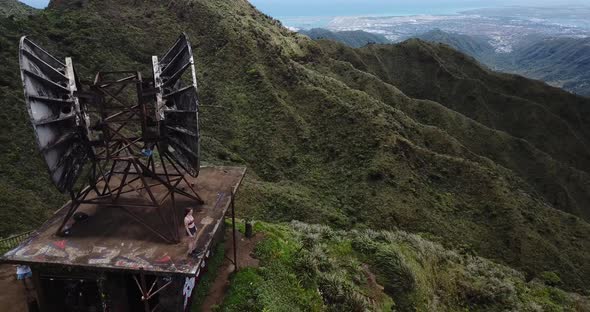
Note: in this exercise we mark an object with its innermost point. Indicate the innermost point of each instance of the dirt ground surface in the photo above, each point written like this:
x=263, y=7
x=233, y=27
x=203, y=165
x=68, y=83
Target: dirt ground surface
x=221, y=284
x=12, y=291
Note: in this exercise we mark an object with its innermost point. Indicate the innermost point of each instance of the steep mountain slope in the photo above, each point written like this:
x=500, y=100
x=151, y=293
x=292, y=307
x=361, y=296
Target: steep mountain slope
x=562, y=62
x=15, y=8
x=564, y=187
x=329, y=137
x=504, y=102
x=355, y=39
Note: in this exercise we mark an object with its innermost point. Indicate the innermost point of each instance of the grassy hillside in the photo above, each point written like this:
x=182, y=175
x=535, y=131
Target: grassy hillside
x=355, y=39
x=508, y=103
x=336, y=136
x=507, y=121
x=315, y=268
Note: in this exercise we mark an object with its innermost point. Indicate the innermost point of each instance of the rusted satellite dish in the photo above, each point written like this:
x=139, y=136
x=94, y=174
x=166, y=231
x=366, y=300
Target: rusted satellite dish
x=54, y=110
x=136, y=123
x=177, y=104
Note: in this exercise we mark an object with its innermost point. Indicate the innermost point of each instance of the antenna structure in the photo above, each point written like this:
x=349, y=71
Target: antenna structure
x=124, y=134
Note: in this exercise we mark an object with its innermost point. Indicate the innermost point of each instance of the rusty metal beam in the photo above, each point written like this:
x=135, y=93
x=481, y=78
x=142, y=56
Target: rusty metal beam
x=146, y=304
x=233, y=224
x=159, y=289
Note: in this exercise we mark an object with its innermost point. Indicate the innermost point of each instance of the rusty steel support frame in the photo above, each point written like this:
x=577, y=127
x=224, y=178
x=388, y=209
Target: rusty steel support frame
x=120, y=154
x=147, y=294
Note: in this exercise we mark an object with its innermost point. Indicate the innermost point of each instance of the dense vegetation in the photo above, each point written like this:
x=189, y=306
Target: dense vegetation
x=355, y=39
x=413, y=136
x=505, y=108
x=315, y=268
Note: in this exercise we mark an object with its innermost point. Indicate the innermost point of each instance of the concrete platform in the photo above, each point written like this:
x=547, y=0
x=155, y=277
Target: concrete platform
x=109, y=240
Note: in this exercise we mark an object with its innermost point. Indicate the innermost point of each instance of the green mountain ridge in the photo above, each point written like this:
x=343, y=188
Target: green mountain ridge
x=477, y=47
x=494, y=113
x=413, y=136
x=355, y=39
x=561, y=62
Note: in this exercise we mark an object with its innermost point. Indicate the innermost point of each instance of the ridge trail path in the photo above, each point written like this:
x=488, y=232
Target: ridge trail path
x=221, y=283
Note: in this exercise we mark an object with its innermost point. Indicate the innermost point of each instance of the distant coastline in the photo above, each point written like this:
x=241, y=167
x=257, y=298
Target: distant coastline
x=322, y=21
x=308, y=22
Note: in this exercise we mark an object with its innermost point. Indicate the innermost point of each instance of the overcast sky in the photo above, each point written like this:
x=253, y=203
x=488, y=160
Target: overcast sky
x=359, y=7
x=36, y=3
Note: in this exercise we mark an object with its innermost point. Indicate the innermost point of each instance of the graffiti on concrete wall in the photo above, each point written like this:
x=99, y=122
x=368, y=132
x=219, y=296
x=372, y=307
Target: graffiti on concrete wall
x=187, y=290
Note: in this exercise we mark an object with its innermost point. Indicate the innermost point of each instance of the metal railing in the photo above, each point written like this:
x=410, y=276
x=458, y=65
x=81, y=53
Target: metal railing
x=10, y=242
